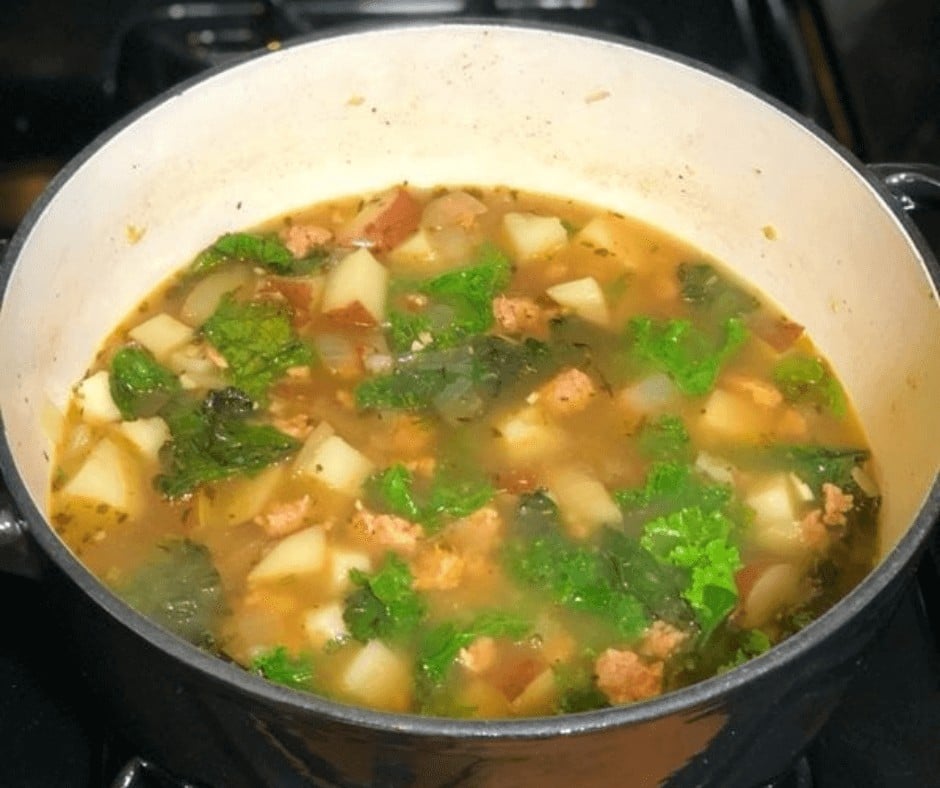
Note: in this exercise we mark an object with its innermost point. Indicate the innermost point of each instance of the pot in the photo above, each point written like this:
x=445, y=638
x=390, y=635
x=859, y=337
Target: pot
x=543, y=109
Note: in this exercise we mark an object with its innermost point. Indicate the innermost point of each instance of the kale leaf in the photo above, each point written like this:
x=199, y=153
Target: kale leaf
x=140, y=386
x=257, y=341
x=815, y=465
x=266, y=250
x=577, y=690
x=446, y=497
x=687, y=354
x=670, y=486
x=385, y=605
x=441, y=644
x=665, y=438
x=180, y=589
x=700, y=542
x=213, y=440
x=281, y=667
x=805, y=379
x=702, y=286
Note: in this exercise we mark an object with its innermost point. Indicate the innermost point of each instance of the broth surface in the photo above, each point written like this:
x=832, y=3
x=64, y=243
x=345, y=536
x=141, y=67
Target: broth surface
x=466, y=452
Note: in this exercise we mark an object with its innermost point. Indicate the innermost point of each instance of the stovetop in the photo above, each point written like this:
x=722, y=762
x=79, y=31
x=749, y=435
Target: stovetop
x=868, y=71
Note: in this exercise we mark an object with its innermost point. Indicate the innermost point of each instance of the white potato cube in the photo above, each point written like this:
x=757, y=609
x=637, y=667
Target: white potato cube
x=534, y=237
x=377, y=676
x=778, y=587
x=529, y=434
x=147, y=435
x=715, y=468
x=342, y=561
x=584, y=297
x=334, y=463
x=93, y=396
x=300, y=553
x=734, y=416
x=599, y=233
x=539, y=695
x=161, y=335
x=324, y=624
x=776, y=527
x=584, y=502
x=238, y=500
x=414, y=252
x=355, y=290
x=651, y=394
x=104, y=478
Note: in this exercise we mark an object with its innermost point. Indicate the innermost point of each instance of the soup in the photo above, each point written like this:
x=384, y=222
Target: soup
x=466, y=452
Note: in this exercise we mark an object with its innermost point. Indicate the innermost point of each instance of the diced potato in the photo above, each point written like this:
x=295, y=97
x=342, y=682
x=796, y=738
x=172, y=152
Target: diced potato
x=93, y=396
x=325, y=624
x=485, y=699
x=538, y=697
x=355, y=290
x=342, y=561
x=377, y=676
x=584, y=502
x=584, y=297
x=333, y=462
x=205, y=296
x=779, y=586
x=238, y=500
x=650, y=395
x=528, y=434
x=735, y=416
x=599, y=233
x=105, y=478
x=414, y=253
x=776, y=527
x=715, y=468
x=161, y=335
x=147, y=435
x=300, y=553
x=534, y=237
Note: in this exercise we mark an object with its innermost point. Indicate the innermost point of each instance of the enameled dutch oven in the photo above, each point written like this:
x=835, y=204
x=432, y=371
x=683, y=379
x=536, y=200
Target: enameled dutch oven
x=600, y=120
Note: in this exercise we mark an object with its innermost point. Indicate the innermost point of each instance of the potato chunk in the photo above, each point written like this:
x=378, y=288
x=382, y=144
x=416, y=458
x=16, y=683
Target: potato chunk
x=584, y=297
x=333, y=462
x=300, y=553
x=534, y=237
x=354, y=293
x=584, y=502
x=161, y=335
x=104, y=478
x=147, y=435
x=377, y=676
x=93, y=396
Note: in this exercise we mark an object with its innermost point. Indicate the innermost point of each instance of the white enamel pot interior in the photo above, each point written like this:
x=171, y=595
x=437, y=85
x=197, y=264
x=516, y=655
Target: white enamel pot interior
x=543, y=110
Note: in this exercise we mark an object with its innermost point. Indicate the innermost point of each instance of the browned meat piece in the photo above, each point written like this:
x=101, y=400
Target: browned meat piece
x=479, y=656
x=282, y=519
x=661, y=640
x=835, y=504
x=388, y=530
x=517, y=315
x=624, y=677
x=437, y=568
x=301, y=239
x=570, y=391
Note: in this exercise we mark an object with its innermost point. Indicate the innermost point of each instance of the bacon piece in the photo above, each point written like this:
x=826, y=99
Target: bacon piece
x=570, y=391
x=383, y=223
x=623, y=677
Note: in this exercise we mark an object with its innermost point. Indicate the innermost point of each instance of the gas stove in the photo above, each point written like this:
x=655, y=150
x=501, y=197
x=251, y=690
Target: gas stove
x=867, y=71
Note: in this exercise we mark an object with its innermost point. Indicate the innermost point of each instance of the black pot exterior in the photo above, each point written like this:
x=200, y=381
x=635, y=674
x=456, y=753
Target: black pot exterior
x=211, y=731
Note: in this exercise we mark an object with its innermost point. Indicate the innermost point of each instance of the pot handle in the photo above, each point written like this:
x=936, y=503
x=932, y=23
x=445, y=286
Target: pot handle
x=18, y=555
x=915, y=186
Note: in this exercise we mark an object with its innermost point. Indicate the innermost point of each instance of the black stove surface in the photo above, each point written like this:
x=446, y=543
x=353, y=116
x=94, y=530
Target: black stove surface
x=866, y=70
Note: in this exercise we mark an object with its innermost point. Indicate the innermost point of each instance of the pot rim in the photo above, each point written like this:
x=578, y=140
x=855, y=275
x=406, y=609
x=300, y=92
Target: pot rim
x=703, y=694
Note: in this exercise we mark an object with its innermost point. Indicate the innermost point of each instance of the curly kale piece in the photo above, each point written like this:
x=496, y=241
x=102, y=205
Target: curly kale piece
x=214, y=439
x=257, y=341
x=264, y=249
x=702, y=286
x=280, y=666
x=179, y=588
x=806, y=379
x=689, y=355
x=140, y=385
x=385, y=605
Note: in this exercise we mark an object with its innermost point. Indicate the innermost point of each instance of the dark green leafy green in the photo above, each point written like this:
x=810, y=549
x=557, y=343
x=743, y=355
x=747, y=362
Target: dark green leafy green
x=213, y=440
x=751, y=643
x=282, y=667
x=665, y=438
x=670, y=486
x=448, y=496
x=702, y=286
x=140, y=386
x=812, y=463
x=690, y=356
x=257, y=341
x=441, y=644
x=459, y=303
x=385, y=605
x=700, y=542
x=264, y=249
x=577, y=690
x=805, y=379
x=180, y=589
